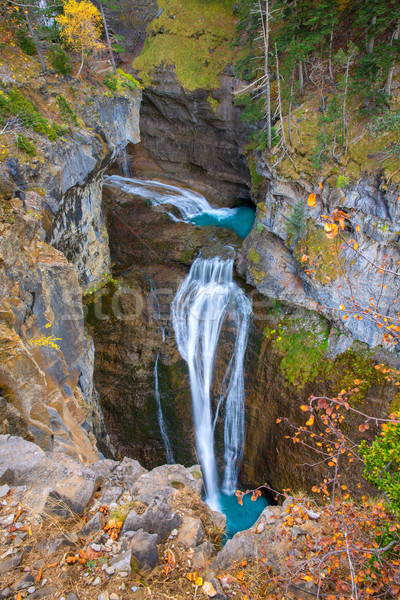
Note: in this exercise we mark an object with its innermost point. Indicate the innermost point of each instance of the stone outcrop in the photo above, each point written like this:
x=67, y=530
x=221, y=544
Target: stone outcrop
x=70, y=180
x=294, y=262
x=105, y=538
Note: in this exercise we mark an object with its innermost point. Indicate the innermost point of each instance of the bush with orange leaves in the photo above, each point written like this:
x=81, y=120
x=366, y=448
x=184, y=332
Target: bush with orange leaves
x=357, y=555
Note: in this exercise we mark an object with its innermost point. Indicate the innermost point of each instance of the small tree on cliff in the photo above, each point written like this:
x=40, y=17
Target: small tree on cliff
x=81, y=27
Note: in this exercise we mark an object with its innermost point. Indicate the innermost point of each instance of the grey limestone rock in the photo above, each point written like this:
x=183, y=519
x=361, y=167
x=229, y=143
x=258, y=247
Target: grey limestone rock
x=143, y=546
x=10, y=563
x=158, y=518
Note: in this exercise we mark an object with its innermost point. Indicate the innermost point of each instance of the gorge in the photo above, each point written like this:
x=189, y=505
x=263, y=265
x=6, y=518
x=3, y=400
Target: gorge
x=180, y=303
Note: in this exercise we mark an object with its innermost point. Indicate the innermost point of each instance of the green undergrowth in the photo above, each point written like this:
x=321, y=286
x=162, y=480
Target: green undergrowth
x=14, y=104
x=302, y=345
x=313, y=146
x=195, y=37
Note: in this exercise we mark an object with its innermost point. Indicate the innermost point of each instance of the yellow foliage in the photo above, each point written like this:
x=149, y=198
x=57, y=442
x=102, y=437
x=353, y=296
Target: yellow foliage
x=81, y=25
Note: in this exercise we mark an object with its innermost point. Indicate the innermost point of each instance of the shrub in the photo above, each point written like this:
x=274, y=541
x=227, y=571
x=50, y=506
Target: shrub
x=24, y=144
x=60, y=61
x=67, y=114
x=25, y=42
x=111, y=81
x=296, y=225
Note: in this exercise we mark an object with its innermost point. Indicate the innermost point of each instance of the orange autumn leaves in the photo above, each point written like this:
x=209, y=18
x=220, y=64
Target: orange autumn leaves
x=335, y=222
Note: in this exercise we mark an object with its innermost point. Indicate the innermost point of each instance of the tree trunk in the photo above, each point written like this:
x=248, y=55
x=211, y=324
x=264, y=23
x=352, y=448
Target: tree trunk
x=290, y=107
x=82, y=61
x=371, y=41
x=344, y=103
x=330, y=54
x=114, y=68
x=388, y=85
x=279, y=98
x=33, y=36
x=301, y=78
x=265, y=28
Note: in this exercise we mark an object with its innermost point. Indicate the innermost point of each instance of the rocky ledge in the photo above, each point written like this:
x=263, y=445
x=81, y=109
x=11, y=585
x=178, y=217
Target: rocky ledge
x=105, y=531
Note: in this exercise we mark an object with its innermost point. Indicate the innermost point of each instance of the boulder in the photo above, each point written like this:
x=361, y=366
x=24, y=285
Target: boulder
x=131, y=470
x=122, y=562
x=158, y=518
x=92, y=526
x=57, y=484
x=143, y=546
x=202, y=554
x=191, y=532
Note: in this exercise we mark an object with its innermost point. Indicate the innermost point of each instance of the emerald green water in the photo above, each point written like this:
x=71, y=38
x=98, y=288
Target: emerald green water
x=239, y=219
x=240, y=517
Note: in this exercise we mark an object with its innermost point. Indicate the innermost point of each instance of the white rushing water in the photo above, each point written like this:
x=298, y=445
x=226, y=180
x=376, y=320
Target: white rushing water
x=160, y=416
x=205, y=300
x=188, y=203
x=192, y=206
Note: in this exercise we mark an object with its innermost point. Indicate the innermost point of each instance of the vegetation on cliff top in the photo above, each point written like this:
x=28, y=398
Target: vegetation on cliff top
x=328, y=74
x=195, y=37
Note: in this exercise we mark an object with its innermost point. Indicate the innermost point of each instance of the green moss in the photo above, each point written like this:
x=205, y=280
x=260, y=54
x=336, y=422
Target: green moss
x=355, y=364
x=256, y=179
x=214, y=103
x=254, y=256
x=193, y=36
x=303, y=346
x=324, y=262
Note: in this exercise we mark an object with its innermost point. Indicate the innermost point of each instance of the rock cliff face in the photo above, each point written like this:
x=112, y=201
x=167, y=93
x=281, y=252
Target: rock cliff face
x=46, y=365
x=46, y=370
x=196, y=138
x=74, y=183
x=288, y=257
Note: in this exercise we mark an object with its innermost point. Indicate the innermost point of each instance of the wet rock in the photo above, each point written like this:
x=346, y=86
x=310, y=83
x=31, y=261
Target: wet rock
x=158, y=518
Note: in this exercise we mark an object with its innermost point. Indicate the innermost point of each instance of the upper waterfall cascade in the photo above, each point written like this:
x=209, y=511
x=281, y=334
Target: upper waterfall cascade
x=207, y=299
x=193, y=207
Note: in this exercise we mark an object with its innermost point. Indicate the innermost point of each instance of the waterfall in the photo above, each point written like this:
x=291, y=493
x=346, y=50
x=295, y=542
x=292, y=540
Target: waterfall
x=188, y=203
x=193, y=207
x=205, y=300
x=160, y=416
x=124, y=163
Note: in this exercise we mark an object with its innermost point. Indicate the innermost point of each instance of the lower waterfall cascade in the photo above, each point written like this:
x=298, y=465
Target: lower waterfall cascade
x=206, y=298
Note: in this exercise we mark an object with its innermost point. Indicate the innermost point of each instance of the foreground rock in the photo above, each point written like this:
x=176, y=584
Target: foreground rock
x=116, y=527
